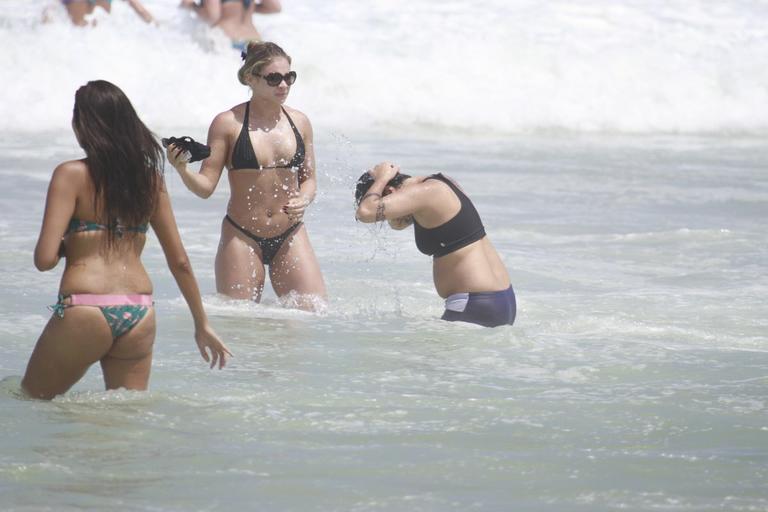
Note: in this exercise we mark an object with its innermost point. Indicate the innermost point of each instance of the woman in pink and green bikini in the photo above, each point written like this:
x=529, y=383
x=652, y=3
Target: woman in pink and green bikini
x=97, y=213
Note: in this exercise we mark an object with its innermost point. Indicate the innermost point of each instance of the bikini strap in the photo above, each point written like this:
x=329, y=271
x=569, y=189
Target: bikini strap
x=289, y=119
x=296, y=132
x=456, y=190
x=59, y=307
x=300, y=149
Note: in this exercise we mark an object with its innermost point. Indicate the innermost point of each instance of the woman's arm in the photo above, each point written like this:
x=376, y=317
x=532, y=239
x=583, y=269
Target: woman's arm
x=141, y=10
x=203, y=183
x=164, y=225
x=307, y=176
x=59, y=209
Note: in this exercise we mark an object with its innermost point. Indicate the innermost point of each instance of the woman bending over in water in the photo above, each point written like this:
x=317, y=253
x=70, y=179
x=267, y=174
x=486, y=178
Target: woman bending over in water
x=466, y=269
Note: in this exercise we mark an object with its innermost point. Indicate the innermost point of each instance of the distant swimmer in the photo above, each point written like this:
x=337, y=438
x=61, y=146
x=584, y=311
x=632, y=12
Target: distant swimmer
x=467, y=271
x=269, y=151
x=234, y=17
x=249, y=31
x=78, y=10
x=97, y=213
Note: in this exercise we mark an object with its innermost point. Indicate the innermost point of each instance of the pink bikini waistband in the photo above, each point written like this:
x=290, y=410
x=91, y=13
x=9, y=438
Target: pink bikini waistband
x=88, y=299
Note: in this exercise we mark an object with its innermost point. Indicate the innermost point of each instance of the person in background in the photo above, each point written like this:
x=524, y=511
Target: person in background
x=78, y=10
x=467, y=271
x=249, y=32
x=234, y=17
x=269, y=151
x=97, y=213
x=207, y=10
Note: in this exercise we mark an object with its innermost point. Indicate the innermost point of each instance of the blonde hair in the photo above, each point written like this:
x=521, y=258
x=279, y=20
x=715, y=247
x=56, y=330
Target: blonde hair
x=257, y=55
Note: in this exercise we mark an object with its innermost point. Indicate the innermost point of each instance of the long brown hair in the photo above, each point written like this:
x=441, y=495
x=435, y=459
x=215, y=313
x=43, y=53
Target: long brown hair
x=124, y=160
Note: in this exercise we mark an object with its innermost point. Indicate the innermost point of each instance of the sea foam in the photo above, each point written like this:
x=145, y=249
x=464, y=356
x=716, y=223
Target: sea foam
x=416, y=66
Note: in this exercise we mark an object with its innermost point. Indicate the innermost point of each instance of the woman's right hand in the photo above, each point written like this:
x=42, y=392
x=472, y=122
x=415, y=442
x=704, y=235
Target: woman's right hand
x=207, y=340
x=177, y=157
x=384, y=171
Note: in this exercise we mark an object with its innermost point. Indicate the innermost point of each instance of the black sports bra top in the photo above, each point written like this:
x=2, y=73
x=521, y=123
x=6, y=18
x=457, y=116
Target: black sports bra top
x=243, y=156
x=463, y=229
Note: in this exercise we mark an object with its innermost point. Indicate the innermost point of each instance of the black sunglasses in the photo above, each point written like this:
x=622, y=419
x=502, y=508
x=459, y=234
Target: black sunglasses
x=274, y=79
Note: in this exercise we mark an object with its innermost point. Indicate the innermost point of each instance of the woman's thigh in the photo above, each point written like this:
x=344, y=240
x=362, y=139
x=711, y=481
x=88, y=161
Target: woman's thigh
x=66, y=348
x=295, y=269
x=129, y=361
x=239, y=268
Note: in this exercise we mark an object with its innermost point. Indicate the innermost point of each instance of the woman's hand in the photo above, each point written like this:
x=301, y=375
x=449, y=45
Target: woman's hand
x=384, y=171
x=207, y=340
x=295, y=207
x=177, y=157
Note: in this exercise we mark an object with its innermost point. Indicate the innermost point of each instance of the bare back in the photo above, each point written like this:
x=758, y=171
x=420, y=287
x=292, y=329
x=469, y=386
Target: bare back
x=90, y=266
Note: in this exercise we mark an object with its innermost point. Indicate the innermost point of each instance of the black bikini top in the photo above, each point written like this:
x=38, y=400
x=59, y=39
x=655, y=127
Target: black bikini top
x=243, y=156
x=463, y=229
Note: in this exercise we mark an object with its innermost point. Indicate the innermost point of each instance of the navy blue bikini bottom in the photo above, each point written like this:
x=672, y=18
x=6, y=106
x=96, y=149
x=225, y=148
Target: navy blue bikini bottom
x=489, y=309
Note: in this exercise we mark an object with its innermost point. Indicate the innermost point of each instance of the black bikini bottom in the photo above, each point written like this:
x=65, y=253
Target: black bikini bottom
x=268, y=246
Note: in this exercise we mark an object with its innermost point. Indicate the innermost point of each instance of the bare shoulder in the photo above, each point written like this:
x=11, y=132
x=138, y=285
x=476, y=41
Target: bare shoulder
x=228, y=116
x=71, y=171
x=430, y=188
x=430, y=182
x=227, y=122
x=300, y=119
x=453, y=181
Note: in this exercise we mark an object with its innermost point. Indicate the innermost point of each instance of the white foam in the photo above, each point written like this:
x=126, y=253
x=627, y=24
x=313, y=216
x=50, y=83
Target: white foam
x=417, y=65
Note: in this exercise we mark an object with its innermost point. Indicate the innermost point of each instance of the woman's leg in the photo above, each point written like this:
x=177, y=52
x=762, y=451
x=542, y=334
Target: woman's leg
x=66, y=349
x=128, y=362
x=239, y=268
x=295, y=269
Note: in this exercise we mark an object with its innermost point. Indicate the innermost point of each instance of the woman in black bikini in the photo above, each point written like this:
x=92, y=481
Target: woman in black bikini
x=269, y=192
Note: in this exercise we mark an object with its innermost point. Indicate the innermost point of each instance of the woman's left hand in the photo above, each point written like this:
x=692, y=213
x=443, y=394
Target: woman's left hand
x=295, y=208
x=209, y=342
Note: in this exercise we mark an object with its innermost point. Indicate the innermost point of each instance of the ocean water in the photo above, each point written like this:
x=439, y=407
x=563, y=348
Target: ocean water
x=616, y=152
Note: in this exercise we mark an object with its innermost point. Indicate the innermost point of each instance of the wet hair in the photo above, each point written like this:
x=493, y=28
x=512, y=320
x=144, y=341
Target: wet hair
x=124, y=160
x=365, y=181
x=257, y=55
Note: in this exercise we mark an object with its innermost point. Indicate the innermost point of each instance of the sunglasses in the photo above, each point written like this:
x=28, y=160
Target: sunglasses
x=274, y=79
